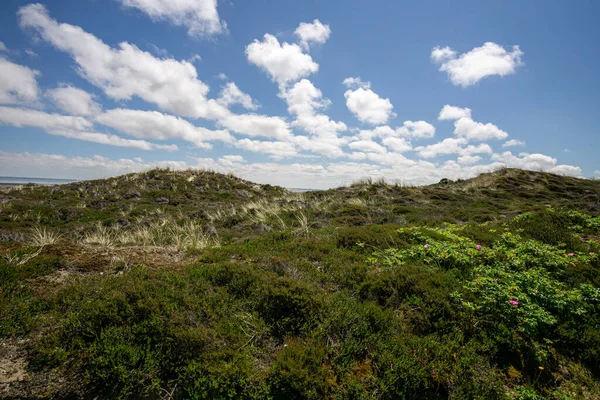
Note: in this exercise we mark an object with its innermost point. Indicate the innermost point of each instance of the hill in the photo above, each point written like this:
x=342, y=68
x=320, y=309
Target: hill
x=195, y=284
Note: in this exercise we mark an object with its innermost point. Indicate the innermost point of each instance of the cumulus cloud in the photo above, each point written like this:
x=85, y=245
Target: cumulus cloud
x=275, y=149
x=231, y=94
x=61, y=166
x=17, y=83
x=397, y=145
x=231, y=160
x=314, y=32
x=365, y=104
x=471, y=130
x=513, y=143
x=536, y=162
x=70, y=127
x=315, y=175
x=355, y=83
x=3, y=47
x=258, y=125
x=416, y=130
x=74, y=101
x=284, y=62
x=442, y=54
x=568, y=170
x=452, y=146
x=158, y=126
x=126, y=71
x=464, y=126
x=468, y=160
x=200, y=17
x=305, y=103
x=453, y=113
x=367, y=146
x=471, y=67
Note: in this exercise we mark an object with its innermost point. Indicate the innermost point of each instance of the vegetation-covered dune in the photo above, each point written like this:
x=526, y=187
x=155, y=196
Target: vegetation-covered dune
x=193, y=284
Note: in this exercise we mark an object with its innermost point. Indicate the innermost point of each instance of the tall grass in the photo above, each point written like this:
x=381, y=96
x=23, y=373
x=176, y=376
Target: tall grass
x=188, y=235
x=41, y=236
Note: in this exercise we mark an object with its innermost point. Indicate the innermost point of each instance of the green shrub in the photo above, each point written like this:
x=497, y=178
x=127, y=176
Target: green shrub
x=298, y=372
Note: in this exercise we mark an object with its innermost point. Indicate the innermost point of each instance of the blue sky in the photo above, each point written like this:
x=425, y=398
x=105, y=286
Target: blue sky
x=298, y=93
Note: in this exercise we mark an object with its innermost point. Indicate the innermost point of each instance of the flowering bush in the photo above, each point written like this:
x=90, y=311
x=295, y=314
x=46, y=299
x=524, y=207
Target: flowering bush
x=516, y=281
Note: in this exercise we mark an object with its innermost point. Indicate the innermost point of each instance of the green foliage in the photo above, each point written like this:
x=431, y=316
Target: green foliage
x=298, y=372
x=438, y=304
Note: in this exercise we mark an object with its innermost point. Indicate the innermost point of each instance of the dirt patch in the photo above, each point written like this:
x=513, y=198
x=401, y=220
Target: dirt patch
x=13, y=366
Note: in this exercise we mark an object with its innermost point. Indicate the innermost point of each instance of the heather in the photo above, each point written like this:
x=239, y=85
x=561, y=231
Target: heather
x=198, y=285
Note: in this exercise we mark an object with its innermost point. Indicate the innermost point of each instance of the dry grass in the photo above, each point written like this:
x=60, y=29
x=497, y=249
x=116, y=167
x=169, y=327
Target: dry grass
x=165, y=232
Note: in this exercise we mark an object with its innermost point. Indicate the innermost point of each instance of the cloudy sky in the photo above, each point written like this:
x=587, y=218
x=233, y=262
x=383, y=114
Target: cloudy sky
x=305, y=93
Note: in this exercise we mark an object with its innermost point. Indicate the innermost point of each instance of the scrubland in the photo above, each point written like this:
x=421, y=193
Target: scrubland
x=198, y=285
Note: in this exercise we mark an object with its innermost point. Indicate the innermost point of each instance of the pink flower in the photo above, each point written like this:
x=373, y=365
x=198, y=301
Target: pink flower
x=426, y=246
x=571, y=254
x=478, y=247
x=513, y=302
x=592, y=253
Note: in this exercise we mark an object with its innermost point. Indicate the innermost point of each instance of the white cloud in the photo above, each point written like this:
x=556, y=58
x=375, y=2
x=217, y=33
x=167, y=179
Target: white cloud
x=416, y=130
x=446, y=146
x=453, y=113
x=469, y=68
x=126, y=71
x=464, y=126
x=367, y=146
x=355, y=83
x=17, y=83
x=569, y=170
x=380, y=131
x=74, y=101
x=159, y=126
x=3, y=46
x=317, y=175
x=468, y=160
x=314, y=32
x=452, y=146
x=60, y=166
x=283, y=62
x=277, y=150
x=398, y=145
x=231, y=160
x=513, y=143
x=366, y=105
x=258, y=125
x=471, y=130
x=20, y=117
x=199, y=16
x=442, y=54
x=305, y=102
x=70, y=127
x=597, y=173
x=536, y=162
x=231, y=94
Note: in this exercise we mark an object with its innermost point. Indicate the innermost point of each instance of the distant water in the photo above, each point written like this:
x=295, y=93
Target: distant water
x=300, y=190
x=21, y=180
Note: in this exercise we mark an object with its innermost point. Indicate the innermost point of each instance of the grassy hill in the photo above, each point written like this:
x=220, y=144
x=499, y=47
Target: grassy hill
x=194, y=284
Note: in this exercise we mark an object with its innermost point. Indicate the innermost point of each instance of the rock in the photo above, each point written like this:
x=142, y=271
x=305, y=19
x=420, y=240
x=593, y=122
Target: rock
x=98, y=204
x=12, y=237
x=260, y=227
x=210, y=230
x=123, y=223
x=54, y=189
x=161, y=200
x=200, y=214
x=243, y=193
x=132, y=195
